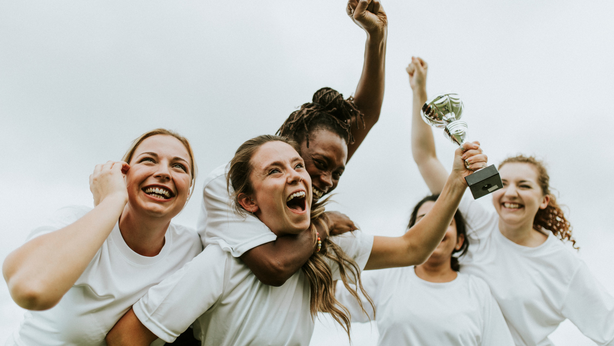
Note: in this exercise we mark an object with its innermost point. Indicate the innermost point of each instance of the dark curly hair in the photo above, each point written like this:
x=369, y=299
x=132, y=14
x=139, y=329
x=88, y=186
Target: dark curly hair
x=461, y=229
x=552, y=217
x=328, y=110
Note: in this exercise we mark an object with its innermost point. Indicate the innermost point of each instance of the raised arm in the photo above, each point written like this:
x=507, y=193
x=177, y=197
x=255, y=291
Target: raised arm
x=369, y=95
x=42, y=270
x=417, y=244
x=422, y=142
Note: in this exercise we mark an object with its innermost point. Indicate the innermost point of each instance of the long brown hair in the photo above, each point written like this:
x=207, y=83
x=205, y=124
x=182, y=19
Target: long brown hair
x=316, y=269
x=193, y=168
x=552, y=217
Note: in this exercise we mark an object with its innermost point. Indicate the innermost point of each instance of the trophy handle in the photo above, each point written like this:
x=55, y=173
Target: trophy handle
x=456, y=131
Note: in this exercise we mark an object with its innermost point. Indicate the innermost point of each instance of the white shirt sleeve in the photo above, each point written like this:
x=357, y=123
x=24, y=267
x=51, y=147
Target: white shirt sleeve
x=494, y=330
x=220, y=224
x=356, y=245
x=170, y=307
x=479, y=221
x=370, y=282
x=589, y=306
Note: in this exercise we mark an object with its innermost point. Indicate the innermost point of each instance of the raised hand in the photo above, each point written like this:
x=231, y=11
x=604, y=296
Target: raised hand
x=108, y=180
x=417, y=71
x=467, y=159
x=369, y=15
x=339, y=223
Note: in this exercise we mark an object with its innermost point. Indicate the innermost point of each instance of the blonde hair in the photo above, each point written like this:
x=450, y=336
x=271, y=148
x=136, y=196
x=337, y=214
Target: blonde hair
x=552, y=217
x=316, y=269
x=193, y=168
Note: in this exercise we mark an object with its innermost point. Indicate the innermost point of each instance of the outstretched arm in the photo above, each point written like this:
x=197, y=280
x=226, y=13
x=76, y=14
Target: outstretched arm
x=42, y=270
x=417, y=244
x=369, y=95
x=422, y=142
x=275, y=262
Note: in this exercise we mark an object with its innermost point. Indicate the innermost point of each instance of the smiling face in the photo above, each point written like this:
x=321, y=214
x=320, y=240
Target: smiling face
x=159, y=177
x=521, y=196
x=282, y=189
x=450, y=241
x=325, y=160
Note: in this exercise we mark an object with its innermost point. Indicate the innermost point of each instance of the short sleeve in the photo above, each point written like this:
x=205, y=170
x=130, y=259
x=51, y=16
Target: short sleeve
x=589, y=306
x=494, y=329
x=479, y=221
x=370, y=282
x=60, y=219
x=356, y=245
x=220, y=224
x=170, y=307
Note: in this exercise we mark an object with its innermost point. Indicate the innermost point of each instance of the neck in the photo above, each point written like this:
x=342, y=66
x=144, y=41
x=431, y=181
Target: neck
x=143, y=234
x=436, y=271
x=523, y=234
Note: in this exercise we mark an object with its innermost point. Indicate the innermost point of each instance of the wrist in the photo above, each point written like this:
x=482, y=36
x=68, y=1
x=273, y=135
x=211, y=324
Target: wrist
x=419, y=93
x=377, y=38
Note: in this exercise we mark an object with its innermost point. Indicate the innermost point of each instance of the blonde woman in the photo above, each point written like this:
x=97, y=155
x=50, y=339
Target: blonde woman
x=83, y=269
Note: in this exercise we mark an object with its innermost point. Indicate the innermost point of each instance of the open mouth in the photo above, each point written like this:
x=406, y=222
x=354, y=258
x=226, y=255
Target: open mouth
x=508, y=205
x=297, y=201
x=159, y=192
x=317, y=193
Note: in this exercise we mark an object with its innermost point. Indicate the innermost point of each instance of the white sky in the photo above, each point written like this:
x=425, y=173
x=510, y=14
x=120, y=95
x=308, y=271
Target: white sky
x=80, y=80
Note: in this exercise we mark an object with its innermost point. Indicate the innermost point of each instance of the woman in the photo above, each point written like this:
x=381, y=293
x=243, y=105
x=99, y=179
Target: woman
x=82, y=270
x=431, y=303
x=537, y=282
x=329, y=130
x=232, y=306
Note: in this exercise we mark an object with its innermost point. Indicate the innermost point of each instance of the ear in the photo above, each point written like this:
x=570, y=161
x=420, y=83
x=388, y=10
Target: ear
x=247, y=203
x=544, y=202
x=460, y=240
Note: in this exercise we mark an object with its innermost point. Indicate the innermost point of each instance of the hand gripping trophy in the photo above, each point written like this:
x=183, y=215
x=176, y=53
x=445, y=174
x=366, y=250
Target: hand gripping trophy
x=445, y=111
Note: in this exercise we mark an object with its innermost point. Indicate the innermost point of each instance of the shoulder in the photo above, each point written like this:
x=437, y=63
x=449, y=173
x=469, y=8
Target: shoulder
x=476, y=284
x=185, y=237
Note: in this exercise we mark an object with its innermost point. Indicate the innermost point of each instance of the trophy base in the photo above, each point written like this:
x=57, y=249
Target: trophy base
x=484, y=181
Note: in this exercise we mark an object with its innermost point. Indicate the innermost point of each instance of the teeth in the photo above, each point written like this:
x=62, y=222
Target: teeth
x=295, y=195
x=317, y=193
x=158, y=191
x=511, y=205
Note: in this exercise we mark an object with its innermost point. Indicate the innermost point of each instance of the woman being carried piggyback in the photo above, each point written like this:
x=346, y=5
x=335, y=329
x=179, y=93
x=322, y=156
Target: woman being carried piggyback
x=517, y=250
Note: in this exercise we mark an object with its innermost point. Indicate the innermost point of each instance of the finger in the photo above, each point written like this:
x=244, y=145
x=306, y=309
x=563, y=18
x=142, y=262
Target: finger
x=376, y=6
x=410, y=69
x=108, y=165
x=361, y=7
x=370, y=7
x=479, y=159
x=351, y=7
x=471, y=152
x=470, y=146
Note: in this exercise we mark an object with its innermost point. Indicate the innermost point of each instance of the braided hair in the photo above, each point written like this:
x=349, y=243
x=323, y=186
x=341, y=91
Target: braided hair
x=328, y=110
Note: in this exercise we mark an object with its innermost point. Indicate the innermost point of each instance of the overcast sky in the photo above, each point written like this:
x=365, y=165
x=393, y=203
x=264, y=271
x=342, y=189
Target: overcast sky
x=80, y=80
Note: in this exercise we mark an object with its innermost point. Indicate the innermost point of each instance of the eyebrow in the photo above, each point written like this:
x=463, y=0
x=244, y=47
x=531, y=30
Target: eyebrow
x=281, y=163
x=151, y=153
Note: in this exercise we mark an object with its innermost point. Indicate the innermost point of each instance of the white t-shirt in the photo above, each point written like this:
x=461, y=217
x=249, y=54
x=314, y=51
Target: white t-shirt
x=218, y=223
x=231, y=306
x=537, y=288
x=411, y=311
x=114, y=280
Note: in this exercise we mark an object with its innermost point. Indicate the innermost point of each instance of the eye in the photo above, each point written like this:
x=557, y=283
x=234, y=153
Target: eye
x=320, y=164
x=147, y=159
x=274, y=171
x=337, y=175
x=181, y=167
x=524, y=186
x=299, y=166
x=504, y=183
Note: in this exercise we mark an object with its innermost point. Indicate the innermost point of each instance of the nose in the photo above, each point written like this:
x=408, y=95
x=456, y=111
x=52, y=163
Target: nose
x=293, y=177
x=326, y=179
x=510, y=190
x=162, y=172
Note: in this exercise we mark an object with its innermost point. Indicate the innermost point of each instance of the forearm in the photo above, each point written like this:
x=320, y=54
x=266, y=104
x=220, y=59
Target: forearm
x=417, y=244
x=275, y=262
x=130, y=331
x=41, y=271
x=369, y=94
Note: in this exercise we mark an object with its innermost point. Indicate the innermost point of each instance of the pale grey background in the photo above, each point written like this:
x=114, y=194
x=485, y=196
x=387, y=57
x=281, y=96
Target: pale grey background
x=80, y=80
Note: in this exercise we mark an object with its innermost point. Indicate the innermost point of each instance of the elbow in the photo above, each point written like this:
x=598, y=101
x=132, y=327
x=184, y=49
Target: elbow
x=276, y=274
x=31, y=296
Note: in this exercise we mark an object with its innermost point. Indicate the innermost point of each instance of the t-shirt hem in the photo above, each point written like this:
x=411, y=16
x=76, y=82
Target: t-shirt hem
x=152, y=325
x=240, y=249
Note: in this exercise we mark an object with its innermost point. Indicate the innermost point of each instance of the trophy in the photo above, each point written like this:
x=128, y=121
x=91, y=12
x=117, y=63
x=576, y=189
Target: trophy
x=445, y=111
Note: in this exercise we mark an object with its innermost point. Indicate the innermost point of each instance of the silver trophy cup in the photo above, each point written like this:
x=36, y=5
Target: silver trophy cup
x=445, y=111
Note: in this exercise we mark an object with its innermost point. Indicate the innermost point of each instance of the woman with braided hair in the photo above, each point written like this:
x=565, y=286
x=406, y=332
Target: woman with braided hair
x=329, y=130
x=517, y=250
